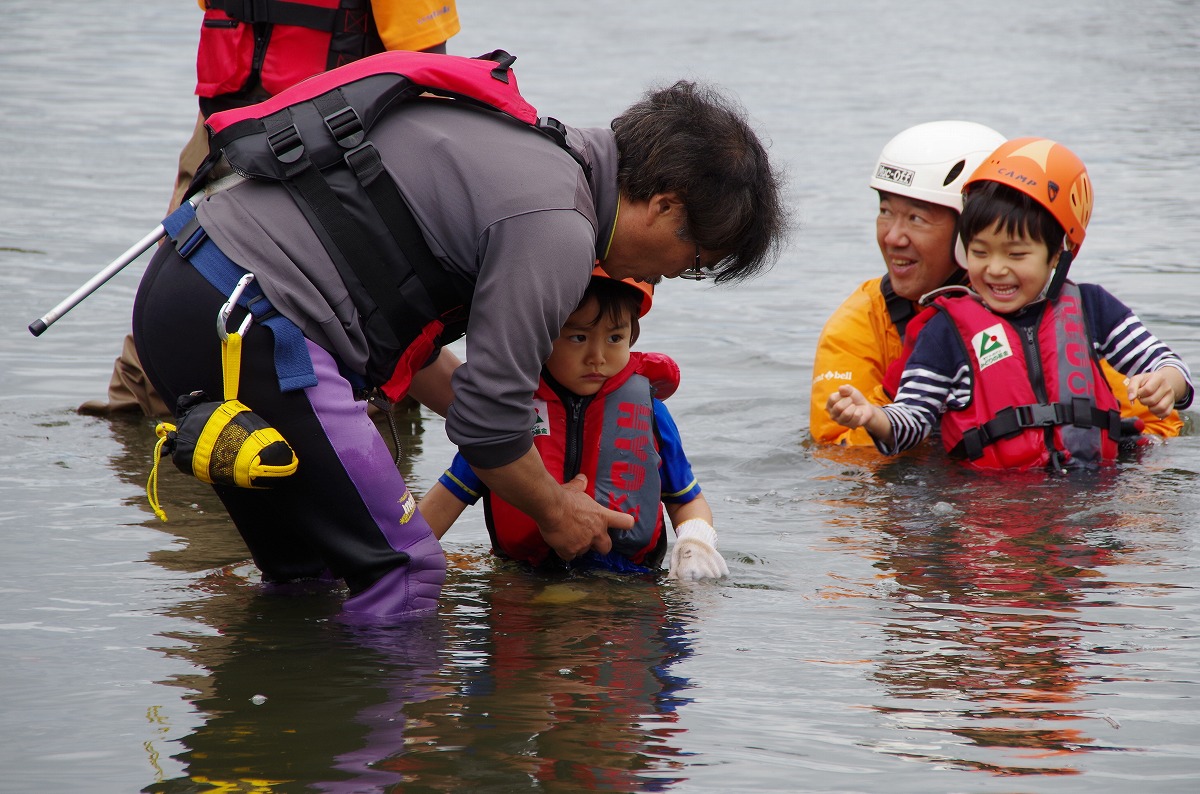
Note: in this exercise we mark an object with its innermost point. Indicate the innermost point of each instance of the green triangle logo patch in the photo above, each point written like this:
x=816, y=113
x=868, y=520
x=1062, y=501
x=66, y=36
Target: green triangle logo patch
x=990, y=346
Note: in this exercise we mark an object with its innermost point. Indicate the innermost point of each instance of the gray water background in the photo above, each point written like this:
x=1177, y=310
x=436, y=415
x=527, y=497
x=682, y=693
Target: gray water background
x=889, y=626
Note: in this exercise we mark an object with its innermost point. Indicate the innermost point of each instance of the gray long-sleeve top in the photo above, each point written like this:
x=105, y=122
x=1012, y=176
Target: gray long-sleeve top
x=497, y=202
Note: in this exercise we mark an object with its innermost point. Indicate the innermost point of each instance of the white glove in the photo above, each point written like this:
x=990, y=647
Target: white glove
x=694, y=555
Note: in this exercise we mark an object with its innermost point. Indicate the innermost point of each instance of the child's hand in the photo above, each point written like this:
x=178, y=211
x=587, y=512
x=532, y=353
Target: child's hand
x=1153, y=390
x=849, y=407
x=695, y=555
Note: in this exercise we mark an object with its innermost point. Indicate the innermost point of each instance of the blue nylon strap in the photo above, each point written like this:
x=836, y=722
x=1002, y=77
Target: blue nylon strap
x=293, y=366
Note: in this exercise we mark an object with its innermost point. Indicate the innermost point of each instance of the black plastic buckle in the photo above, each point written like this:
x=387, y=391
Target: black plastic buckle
x=1038, y=415
x=554, y=128
x=346, y=127
x=286, y=144
x=261, y=308
x=249, y=11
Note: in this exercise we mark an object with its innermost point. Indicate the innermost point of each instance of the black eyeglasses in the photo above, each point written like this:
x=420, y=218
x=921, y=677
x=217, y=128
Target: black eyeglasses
x=696, y=271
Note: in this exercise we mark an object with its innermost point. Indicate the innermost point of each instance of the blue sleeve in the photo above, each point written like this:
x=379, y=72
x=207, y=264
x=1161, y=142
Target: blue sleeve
x=679, y=485
x=460, y=480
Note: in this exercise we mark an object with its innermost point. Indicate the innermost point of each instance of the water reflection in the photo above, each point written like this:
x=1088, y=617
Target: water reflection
x=522, y=681
x=996, y=589
x=561, y=684
x=289, y=695
x=562, y=681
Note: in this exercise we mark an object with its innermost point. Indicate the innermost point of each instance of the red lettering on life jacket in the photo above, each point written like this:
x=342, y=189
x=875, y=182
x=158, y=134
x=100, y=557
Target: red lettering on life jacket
x=627, y=476
x=1069, y=311
x=633, y=416
x=618, y=503
x=1076, y=354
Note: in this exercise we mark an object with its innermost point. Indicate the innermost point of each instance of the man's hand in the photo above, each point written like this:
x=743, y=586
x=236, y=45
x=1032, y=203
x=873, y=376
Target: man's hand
x=571, y=522
x=582, y=524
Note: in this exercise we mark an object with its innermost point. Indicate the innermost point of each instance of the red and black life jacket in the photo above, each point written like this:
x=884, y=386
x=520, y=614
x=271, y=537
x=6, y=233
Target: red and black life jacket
x=315, y=138
x=250, y=47
x=1038, y=395
x=610, y=437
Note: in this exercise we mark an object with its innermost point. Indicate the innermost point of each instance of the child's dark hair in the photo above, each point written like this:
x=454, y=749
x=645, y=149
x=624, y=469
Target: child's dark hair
x=616, y=301
x=987, y=204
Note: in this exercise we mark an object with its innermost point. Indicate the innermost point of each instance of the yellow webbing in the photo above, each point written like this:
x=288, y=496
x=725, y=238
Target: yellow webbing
x=231, y=364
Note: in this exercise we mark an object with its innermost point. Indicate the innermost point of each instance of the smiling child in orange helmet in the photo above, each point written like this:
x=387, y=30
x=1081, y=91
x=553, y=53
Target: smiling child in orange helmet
x=1011, y=367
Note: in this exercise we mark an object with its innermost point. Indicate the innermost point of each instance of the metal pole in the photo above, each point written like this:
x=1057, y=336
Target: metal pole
x=38, y=326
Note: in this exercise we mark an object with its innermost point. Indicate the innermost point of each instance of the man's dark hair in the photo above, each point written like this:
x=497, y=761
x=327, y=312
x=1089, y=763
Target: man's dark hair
x=691, y=140
x=616, y=301
x=988, y=203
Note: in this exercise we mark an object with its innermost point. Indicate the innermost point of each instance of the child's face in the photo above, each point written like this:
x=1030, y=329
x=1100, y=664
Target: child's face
x=584, y=355
x=1008, y=271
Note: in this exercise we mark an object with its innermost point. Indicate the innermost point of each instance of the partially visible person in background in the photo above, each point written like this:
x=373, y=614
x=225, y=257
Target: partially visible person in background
x=918, y=178
x=248, y=52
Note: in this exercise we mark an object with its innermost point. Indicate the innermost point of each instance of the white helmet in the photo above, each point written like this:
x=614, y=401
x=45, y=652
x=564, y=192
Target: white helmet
x=931, y=161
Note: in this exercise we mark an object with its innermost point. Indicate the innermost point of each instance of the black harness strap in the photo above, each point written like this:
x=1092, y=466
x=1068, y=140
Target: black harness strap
x=386, y=280
x=278, y=12
x=447, y=292
x=1080, y=412
x=346, y=242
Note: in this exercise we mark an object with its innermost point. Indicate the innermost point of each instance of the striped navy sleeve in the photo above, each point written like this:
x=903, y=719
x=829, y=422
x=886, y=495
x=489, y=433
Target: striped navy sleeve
x=1127, y=344
x=936, y=377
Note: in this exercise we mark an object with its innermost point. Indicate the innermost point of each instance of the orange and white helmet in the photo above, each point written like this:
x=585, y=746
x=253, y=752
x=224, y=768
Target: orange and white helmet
x=645, y=288
x=1050, y=174
x=931, y=161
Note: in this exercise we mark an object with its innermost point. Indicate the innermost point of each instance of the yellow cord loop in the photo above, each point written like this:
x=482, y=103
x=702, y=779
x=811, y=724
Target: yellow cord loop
x=161, y=431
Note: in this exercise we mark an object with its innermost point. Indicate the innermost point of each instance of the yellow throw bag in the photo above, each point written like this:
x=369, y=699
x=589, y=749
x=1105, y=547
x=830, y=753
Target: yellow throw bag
x=221, y=442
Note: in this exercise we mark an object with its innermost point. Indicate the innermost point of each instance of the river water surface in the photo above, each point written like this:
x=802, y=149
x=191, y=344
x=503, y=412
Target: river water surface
x=888, y=626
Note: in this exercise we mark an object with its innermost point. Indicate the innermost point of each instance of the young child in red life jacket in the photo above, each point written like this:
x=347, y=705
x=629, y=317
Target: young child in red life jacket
x=1010, y=368
x=600, y=414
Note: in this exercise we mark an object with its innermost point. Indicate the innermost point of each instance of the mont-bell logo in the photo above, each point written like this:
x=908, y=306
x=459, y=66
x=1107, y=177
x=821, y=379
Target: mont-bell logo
x=830, y=374
x=990, y=346
x=891, y=173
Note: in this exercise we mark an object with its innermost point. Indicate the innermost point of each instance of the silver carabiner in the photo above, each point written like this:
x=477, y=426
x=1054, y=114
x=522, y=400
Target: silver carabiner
x=227, y=309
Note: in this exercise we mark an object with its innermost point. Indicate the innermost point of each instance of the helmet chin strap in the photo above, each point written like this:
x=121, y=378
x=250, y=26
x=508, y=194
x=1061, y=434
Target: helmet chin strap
x=1059, y=277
